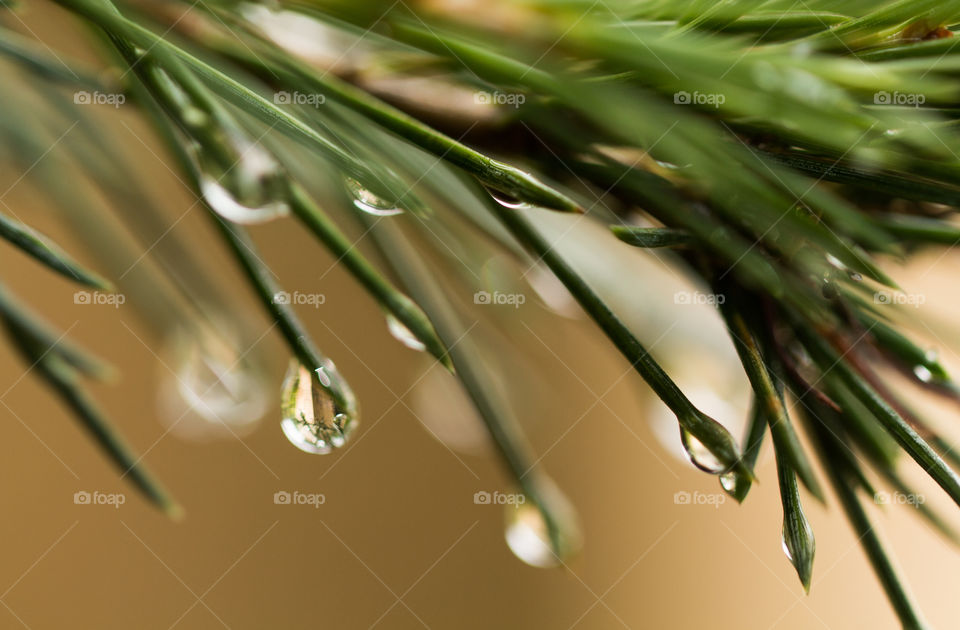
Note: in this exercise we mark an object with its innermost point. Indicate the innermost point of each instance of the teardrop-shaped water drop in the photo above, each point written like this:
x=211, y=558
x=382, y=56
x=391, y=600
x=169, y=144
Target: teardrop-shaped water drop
x=366, y=200
x=214, y=390
x=528, y=535
x=311, y=418
x=700, y=456
x=254, y=190
x=403, y=334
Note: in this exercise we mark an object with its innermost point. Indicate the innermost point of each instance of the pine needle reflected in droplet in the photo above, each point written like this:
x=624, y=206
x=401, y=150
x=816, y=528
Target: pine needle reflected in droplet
x=311, y=419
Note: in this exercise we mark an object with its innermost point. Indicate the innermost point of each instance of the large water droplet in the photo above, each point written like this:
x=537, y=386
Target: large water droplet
x=528, y=536
x=213, y=391
x=311, y=418
x=403, y=334
x=700, y=456
x=253, y=190
x=366, y=200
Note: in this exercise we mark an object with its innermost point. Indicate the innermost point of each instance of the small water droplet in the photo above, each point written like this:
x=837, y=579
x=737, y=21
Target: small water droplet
x=700, y=456
x=366, y=200
x=923, y=373
x=403, y=334
x=528, y=537
x=214, y=391
x=311, y=419
x=728, y=481
x=507, y=201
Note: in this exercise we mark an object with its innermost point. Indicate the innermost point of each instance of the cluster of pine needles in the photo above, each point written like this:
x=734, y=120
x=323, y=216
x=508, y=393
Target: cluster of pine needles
x=783, y=154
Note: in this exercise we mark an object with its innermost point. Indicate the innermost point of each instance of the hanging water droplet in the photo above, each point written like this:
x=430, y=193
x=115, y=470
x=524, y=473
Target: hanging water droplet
x=528, y=535
x=311, y=418
x=700, y=456
x=729, y=480
x=507, y=201
x=254, y=190
x=214, y=390
x=403, y=334
x=366, y=200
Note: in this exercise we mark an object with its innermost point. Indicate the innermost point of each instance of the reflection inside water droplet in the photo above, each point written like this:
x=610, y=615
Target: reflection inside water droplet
x=366, y=200
x=403, y=334
x=311, y=418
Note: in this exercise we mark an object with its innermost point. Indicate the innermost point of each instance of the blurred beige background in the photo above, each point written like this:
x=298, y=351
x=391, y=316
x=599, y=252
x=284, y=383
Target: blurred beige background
x=399, y=542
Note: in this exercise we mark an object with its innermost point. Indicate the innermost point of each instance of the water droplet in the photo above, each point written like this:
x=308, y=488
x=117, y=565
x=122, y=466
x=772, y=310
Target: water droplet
x=214, y=391
x=923, y=373
x=728, y=481
x=370, y=203
x=507, y=201
x=528, y=536
x=311, y=418
x=402, y=334
x=700, y=456
x=252, y=190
